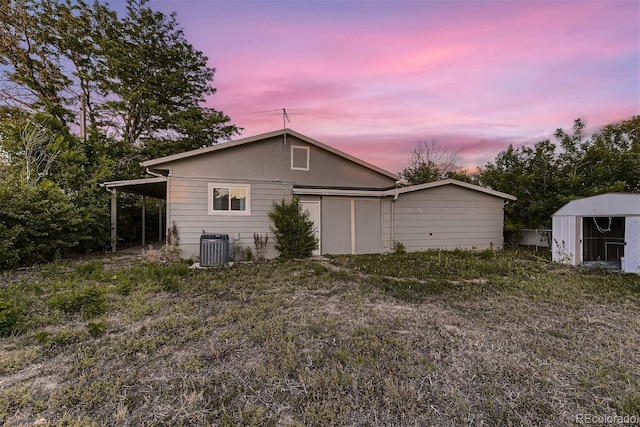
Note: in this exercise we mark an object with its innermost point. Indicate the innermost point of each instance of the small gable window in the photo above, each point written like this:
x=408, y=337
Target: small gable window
x=299, y=158
x=229, y=199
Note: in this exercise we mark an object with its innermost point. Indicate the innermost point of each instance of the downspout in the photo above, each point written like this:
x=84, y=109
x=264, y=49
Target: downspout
x=156, y=174
x=393, y=224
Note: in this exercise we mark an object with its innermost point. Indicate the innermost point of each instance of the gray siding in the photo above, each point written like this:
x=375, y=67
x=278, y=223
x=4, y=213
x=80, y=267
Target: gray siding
x=445, y=217
x=270, y=160
x=187, y=207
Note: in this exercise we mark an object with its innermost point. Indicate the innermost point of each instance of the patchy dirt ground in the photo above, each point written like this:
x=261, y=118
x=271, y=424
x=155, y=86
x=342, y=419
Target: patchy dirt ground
x=340, y=341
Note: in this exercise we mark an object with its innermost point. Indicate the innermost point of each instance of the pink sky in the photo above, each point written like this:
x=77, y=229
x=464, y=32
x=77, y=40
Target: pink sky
x=372, y=78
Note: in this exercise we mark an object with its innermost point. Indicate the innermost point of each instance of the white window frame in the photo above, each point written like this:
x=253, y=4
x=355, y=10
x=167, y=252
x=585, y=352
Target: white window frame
x=229, y=185
x=299, y=147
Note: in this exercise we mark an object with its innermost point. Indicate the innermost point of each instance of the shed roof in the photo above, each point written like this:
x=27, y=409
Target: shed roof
x=609, y=204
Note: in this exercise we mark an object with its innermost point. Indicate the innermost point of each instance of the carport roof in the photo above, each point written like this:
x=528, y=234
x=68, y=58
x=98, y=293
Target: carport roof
x=152, y=187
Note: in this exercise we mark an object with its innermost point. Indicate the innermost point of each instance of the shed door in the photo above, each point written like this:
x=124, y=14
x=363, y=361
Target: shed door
x=351, y=226
x=367, y=224
x=336, y=226
x=632, y=245
x=564, y=244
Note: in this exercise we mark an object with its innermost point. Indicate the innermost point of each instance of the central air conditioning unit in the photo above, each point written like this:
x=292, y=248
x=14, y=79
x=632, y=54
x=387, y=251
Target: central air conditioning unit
x=214, y=249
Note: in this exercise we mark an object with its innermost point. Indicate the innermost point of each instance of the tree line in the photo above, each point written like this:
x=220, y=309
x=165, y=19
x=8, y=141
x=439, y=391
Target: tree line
x=548, y=174
x=85, y=95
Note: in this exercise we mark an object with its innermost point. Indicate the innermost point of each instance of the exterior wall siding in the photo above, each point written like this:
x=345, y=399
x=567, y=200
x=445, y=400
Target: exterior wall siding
x=188, y=205
x=445, y=217
x=270, y=160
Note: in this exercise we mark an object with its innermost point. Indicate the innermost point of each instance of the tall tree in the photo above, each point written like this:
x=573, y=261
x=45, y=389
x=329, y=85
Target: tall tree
x=31, y=59
x=142, y=88
x=137, y=78
x=156, y=94
x=430, y=161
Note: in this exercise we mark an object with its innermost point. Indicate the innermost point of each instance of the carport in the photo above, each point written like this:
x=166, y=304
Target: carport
x=145, y=187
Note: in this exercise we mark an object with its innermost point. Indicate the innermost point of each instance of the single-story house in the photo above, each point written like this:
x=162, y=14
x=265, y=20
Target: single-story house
x=603, y=228
x=357, y=207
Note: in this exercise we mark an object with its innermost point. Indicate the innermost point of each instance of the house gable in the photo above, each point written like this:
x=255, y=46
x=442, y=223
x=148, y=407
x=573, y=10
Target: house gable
x=283, y=156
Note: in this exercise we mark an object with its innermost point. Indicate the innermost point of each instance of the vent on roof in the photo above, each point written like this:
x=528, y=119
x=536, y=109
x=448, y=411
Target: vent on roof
x=214, y=249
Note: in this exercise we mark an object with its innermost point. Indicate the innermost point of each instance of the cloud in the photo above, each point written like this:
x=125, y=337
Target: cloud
x=373, y=78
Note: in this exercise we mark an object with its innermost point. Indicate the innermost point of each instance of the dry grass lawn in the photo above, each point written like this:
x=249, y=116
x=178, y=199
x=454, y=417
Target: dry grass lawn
x=435, y=338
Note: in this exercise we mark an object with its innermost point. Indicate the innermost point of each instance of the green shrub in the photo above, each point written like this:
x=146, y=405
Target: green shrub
x=36, y=223
x=294, y=231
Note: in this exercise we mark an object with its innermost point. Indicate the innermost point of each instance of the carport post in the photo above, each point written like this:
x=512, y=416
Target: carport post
x=144, y=220
x=114, y=219
x=160, y=206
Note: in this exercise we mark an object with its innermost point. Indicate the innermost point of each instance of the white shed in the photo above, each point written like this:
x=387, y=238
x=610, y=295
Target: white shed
x=600, y=228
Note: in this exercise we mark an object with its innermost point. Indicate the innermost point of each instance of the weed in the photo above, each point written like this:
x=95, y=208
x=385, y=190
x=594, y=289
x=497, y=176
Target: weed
x=631, y=405
x=9, y=316
x=91, y=270
x=124, y=287
x=319, y=269
x=60, y=338
x=462, y=253
x=96, y=329
x=260, y=243
x=170, y=283
x=42, y=337
x=399, y=248
x=487, y=254
x=89, y=300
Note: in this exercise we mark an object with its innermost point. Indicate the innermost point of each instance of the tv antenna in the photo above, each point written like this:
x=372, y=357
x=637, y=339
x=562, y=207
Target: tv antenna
x=283, y=112
x=285, y=119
